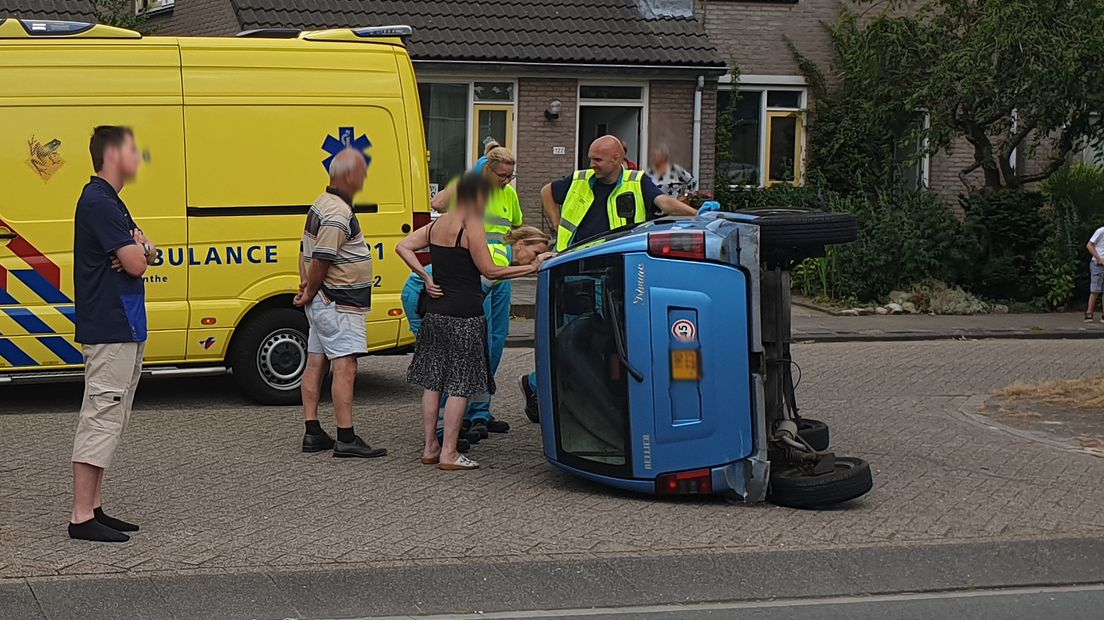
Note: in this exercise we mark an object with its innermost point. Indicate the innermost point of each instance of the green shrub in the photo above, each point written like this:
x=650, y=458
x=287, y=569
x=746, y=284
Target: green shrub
x=1004, y=232
x=904, y=238
x=1075, y=197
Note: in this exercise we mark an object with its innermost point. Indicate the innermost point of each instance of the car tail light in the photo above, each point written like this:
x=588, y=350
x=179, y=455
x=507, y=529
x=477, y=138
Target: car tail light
x=688, y=244
x=695, y=482
x=419, y=220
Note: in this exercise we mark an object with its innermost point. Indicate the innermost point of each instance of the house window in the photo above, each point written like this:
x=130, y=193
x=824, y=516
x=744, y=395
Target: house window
x=149, y=7
x=910, y=153
x=460, y=119
x=616, y=110
x=765, y=135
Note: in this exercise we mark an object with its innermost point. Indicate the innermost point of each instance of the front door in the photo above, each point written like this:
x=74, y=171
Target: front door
x=596, y=121
x=492, y=123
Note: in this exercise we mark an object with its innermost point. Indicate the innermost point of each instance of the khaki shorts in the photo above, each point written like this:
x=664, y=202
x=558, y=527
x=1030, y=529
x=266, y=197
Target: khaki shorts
x=335, y=334
x=111, y=373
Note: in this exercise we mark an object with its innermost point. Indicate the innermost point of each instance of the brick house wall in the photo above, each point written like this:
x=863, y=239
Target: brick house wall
x=671, y=122
x=753, y=34
x=536, y=136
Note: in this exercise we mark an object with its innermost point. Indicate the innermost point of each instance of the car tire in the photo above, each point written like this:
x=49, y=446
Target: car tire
x=793, y=488
x=815, y=433
x=803, y=228
x=268, y=356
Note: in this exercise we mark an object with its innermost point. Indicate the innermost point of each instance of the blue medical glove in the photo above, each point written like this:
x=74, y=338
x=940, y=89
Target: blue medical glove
x=709, y=206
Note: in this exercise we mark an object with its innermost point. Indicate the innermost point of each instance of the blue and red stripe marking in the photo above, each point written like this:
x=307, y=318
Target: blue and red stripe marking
x=44, y=280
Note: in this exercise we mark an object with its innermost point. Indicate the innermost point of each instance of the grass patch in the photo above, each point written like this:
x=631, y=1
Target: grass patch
x=1079, y=393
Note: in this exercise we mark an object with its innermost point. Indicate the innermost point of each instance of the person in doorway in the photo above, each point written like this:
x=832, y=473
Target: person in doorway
x=490, y=145
x=451, y=354
x=1096, y=273
x=335, y=266
x=589, y=203
x=671, y=178
x=503, y=213
x=626, y=162
x=523, y=246
x=110, y=256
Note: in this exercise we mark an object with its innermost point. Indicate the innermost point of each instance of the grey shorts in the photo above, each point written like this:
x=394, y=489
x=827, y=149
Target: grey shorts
x=335, y=334
x=1096, y=277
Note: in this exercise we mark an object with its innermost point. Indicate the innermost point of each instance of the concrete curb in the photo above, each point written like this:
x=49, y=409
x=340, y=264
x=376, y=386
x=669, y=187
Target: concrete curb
x=563, y=584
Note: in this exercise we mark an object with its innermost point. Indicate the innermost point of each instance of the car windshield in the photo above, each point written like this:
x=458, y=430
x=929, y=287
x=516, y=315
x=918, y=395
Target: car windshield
x=590, y=387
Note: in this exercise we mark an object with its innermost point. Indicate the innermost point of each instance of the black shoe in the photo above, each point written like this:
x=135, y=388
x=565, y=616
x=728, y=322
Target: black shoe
x=480, y=426
x=532, y=410
x=94, y=531
x=317, y=443
x=356, y=449
x=462, y=445
x=471, y=437
x=498, y=426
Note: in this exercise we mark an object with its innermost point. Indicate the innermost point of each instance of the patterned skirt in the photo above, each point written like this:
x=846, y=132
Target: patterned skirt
x=451, y=356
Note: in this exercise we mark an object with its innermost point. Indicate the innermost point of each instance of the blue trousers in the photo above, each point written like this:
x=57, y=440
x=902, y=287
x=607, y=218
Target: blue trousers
x=496, y=309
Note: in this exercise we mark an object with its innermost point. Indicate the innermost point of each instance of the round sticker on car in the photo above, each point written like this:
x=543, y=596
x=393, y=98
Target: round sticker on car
x=684, y=330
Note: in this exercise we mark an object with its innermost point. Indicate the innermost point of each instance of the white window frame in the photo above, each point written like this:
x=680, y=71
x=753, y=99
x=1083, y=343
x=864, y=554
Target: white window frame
x=469, y=145
x=764, y=84
x=925, y=161
x=641, y=103
x=142, y=7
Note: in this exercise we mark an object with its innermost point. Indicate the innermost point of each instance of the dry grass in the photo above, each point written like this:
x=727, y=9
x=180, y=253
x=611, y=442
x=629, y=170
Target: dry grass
x=1079, y=393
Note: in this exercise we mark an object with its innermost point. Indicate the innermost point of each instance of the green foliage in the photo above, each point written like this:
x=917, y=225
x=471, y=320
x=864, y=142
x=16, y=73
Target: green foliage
x=1006, y=76
x=1005, y=230
x=861, y=120
x=1075, y=198
x=120, y=13
x=904, y=238
x=723, y=185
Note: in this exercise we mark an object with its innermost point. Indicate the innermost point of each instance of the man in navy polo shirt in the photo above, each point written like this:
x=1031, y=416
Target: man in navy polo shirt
x=110, y=256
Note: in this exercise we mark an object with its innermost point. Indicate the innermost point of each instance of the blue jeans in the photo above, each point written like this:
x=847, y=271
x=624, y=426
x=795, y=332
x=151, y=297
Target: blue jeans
x=496, y=309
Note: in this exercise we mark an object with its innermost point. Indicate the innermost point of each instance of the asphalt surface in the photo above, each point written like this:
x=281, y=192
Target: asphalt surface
x=1067, y=603
x=236, y=523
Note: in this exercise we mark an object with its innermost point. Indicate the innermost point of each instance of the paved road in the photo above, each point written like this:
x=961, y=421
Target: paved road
x=219, y=487
x=1067, y=603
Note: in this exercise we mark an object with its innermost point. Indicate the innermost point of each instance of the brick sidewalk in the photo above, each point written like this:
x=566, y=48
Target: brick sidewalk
x=217, y=483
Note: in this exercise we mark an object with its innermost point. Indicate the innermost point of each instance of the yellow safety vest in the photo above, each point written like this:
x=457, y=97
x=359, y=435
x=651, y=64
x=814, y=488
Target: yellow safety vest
x=581, y=195
x=500, y=254
x=503, y=213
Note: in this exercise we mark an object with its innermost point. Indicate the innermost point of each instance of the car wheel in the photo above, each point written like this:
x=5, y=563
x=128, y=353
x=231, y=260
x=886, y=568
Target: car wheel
x=802, y=228
x=814, y=432
x=794, y=488
x=269, y=355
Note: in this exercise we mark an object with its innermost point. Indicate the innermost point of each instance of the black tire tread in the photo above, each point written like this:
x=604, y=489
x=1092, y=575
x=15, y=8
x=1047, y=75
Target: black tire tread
x=815, y=432
x=809, y=492
x=795, y=228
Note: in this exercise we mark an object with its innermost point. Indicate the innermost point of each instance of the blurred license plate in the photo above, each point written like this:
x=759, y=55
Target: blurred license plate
x=685, y=365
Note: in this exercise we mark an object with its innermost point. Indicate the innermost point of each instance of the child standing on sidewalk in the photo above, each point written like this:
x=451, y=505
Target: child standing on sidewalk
x=1096, y=272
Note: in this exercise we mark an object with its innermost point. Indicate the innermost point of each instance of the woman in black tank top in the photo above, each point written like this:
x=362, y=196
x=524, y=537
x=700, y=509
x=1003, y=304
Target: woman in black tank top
x=451, y=354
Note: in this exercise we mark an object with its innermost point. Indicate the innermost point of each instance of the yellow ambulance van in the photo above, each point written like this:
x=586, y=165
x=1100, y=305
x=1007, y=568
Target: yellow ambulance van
x=235, y=134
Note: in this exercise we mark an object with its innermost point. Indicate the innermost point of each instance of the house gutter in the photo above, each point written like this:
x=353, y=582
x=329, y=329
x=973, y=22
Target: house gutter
x=697, y=126
x=571, y=67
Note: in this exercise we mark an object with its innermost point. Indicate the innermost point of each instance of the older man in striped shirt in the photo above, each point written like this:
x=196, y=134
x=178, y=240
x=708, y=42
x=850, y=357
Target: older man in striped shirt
x=335, y=266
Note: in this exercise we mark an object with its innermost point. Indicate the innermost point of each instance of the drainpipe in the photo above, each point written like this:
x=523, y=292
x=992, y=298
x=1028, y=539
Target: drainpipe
x=697, y=127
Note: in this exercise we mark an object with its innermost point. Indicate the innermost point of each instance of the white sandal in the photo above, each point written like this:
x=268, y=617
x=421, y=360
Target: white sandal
x=461, y=463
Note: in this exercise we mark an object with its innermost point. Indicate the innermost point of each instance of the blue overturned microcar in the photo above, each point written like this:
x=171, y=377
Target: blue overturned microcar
x=664, y=367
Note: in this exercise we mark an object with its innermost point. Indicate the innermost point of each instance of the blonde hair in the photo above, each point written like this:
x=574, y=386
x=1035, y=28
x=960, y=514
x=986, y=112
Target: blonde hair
x=500, y=155
x=527, y=235
x=490, y=146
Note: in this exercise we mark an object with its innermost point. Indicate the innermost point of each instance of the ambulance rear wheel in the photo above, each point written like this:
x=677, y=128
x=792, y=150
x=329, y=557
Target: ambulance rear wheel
x=269, y=355
x=794, y=487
